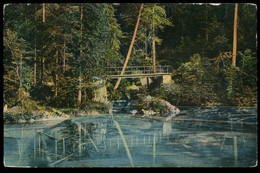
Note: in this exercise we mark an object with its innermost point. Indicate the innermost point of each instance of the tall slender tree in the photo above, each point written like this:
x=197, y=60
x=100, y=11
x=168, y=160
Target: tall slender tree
x=235, y=37
x=80, y=55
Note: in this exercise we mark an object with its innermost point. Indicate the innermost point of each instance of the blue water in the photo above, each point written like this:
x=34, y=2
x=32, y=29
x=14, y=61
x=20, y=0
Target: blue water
x=197, y=137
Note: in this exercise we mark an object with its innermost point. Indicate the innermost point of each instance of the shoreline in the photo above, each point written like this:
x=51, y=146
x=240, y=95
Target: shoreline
x=54, y=114
x=20, y=117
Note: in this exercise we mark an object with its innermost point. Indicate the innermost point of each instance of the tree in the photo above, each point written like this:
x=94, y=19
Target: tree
x=197, y=81
x=153, y=14
x=235, y=37
x=52, y=62
x=15, y=50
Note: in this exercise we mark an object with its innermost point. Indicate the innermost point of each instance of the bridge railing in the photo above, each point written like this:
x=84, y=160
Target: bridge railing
x=139, y=70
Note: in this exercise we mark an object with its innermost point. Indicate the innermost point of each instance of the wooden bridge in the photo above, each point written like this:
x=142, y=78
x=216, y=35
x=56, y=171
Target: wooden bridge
x=138, y=71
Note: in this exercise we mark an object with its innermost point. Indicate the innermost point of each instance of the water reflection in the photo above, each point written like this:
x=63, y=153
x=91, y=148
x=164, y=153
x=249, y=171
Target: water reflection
x=96, y=141
x=167, y=128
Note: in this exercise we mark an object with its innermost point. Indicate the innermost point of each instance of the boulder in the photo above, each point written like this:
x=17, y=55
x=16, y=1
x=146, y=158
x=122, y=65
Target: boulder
x=5, y=108
x=149, y=112
x=148, y=98
x=172, y=108
x=167, y=108
x=100, y=90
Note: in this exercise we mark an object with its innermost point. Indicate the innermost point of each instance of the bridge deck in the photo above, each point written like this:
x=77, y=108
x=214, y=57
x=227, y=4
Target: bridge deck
x=138, y=71
x=138, y=75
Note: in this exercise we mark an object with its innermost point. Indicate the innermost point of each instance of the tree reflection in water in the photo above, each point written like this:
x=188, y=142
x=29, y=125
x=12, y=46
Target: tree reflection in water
x=188, y=140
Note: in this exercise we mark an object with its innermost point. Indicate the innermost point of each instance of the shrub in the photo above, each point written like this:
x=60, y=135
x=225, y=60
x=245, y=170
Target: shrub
x=97, y=106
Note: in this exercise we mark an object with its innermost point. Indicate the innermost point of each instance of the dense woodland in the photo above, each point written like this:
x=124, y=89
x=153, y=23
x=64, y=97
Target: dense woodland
x=52, y=52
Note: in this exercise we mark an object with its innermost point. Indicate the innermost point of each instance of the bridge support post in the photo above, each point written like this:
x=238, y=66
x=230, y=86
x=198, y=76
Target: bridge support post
x=145, y=81
x=167, y=79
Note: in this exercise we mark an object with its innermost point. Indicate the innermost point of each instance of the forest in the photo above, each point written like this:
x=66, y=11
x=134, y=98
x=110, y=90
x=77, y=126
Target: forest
x=52, y=53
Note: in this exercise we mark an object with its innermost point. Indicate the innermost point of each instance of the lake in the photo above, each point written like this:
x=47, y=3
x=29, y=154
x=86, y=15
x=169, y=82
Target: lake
x=197, y=137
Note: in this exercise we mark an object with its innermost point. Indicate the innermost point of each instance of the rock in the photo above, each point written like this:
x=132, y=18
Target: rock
x=100, y=95
x=149, y=112
x=5, y=108
x=148, y=98
x=172, y=108
x=59, y=113
x=92, y=112
x=158, y=107
x=37, y=114
x=16, y=109
x=100, y=90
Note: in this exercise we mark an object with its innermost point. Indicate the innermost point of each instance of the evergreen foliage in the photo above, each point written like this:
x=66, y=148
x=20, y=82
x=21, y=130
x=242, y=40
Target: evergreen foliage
x=48, y=63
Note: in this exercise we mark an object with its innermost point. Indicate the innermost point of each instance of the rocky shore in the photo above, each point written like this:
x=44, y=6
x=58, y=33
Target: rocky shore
x=150, y=106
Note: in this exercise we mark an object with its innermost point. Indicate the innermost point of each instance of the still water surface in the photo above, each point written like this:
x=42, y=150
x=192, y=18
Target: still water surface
x=197, y=137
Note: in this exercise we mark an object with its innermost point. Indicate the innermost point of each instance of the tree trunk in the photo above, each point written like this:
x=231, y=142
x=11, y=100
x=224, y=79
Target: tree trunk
x=42, y=58
x=20, y=79
x=42, y=69
x=235, y=37
x=56, y=77
x=43, y=12
x=21, y=68
x=145, y=45
x=64, y=57
x=81, y=27
x=207, y=34
x=154, y=64
x=18, y=76
x=35, y=59
x=85, y=95
x=79, y=94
